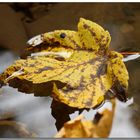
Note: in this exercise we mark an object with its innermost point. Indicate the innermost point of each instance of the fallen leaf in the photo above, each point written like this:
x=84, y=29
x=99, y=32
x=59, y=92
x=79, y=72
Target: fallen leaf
x=100, y=127
x=57, y=109
x=75, y=68
x=104, y=125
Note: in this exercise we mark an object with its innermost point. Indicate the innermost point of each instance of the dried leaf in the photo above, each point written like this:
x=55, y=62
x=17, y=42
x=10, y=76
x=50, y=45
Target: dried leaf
x=104, y=125
x=58, y=109
x=75, y=129
x=100, y=127
x=76, y=68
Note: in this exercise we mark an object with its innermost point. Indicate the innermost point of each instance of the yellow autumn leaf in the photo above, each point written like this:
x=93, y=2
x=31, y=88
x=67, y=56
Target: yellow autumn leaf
x=99, y=127
x=75, y=67
x=75, y=129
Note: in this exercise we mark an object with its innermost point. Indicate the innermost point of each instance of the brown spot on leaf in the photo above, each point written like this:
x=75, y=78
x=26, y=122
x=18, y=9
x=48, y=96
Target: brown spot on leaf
x=44, y=69
x=89, y=103
x=88, y=28
x=92, y=76
x=32, y=65
x=74, y=43
x=120, y=91
x=60, y=58
x=102, y=36
x=102, y=70
x=83, y=44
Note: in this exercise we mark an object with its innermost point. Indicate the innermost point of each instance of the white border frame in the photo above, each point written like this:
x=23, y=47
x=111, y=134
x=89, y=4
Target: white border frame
x=85, y=1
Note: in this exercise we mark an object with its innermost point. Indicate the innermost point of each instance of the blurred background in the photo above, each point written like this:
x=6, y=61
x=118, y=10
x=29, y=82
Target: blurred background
x=21, y=21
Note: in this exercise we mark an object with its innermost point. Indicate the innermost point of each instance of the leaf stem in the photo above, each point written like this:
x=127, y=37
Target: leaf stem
x=129, y=53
